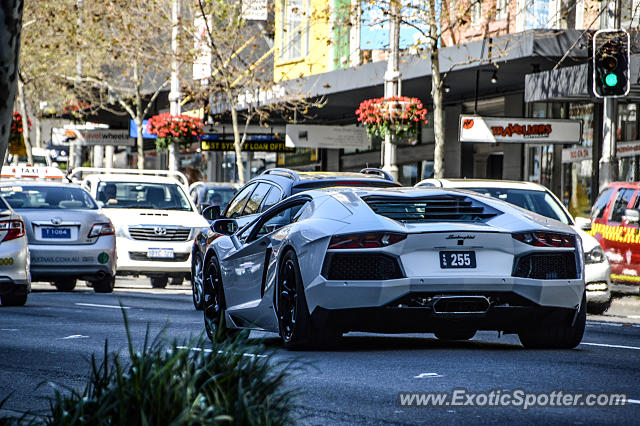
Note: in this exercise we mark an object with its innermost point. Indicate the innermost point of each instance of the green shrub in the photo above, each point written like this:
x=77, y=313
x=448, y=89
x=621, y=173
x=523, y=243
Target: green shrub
x=179, y=384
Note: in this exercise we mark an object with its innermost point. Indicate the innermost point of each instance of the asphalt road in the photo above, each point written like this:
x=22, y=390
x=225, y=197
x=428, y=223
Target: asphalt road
x=50, y=340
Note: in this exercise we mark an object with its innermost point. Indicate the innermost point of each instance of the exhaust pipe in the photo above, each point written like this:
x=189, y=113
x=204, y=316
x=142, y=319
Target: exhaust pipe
x=461, y=305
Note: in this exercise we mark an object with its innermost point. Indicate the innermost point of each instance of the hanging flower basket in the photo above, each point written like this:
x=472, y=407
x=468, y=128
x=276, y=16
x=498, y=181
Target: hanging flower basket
x=398, y=116
x=181, y=129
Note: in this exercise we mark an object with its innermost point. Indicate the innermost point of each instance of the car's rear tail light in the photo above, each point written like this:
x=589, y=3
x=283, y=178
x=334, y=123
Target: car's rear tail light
x=546, y=239
x=14, y=228
x=104, y=228
x=368, y=240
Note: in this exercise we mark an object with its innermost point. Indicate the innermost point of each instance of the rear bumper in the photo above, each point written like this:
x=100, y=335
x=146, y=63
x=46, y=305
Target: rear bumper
x=17, y=287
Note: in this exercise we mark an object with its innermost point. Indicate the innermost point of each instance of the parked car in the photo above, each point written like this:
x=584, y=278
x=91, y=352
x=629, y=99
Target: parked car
x=205, y=194
x=615, y=217
x=538, y=199
x=15, y=281
x=263, y=192
x=391, y=260
x=69, y=237
x=154, y=218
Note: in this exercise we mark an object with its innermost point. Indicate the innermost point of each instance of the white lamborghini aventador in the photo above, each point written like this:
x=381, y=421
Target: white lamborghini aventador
x=451, y=262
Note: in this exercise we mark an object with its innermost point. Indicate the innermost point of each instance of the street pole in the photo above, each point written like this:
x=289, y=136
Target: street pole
x=174, y=93
x=608, y=161
x=392, y=84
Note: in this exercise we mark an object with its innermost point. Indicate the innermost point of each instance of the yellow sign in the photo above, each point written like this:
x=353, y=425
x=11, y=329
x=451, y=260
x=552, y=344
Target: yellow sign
x=16, y=145
x=616, y=233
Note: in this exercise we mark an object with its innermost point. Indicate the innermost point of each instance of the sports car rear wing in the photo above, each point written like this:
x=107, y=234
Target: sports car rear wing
x=80, y=172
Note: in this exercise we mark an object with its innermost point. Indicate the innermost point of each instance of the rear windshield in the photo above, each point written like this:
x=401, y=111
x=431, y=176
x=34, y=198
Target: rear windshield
x=142, y=195
x=218, y=196
x=48, y=197
x=536, y=201
x=331, y=183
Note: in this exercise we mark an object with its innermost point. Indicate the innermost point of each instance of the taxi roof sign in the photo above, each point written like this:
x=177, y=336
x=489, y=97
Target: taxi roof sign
x=30, y=172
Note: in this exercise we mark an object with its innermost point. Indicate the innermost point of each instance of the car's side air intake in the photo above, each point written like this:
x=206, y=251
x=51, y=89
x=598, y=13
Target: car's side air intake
x=456, y=208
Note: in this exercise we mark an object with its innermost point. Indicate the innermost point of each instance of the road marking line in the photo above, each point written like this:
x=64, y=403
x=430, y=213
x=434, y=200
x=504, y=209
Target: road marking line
x=426, y=375
x=8, y=329
x=612, y=324
x=633, y=401
x=604, y=345
x=75, y=336
x=103, y=306
x=211, y=350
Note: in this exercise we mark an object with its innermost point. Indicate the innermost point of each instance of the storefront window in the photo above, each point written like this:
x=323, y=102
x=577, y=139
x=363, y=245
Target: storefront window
x=577, y=174
x=627, y=131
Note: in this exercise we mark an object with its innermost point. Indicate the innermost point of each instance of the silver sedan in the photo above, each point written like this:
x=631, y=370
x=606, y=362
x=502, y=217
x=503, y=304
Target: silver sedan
x=69, y=237
x=15, y=283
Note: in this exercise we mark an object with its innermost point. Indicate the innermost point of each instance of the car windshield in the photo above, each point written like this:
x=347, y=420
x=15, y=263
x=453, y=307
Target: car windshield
x=219, y=196
x=536, y=201
x=142, y=195
x=48, y=197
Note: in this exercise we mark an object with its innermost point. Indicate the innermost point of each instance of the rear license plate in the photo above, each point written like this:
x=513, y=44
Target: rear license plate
x=163, y=253
x=56, y=233
x=457, y=259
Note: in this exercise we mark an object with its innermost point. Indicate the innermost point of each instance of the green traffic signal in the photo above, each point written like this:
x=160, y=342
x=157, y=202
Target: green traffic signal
x=611, y=79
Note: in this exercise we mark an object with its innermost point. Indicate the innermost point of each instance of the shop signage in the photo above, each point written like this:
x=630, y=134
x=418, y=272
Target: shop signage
x=623, y=149
x=253, y=143
x=255, y=10
x=628, y=149
x=573, y=155
x=91, y=137
x=474, y=128
x=318, y=136
x=133, y=130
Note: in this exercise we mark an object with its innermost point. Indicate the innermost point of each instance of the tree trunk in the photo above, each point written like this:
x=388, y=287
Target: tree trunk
x=22, y=103
x=237, y=145
x=10, y=25
x=436, y=95
x=140, y=140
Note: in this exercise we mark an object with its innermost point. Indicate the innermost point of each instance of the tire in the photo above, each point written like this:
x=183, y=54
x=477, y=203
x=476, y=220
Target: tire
x=177, y=280
x=104, y=285
x=197, y=289
x=598, y=308
x=557, y=336
x=13, y=299
x=159, y=282
x=455, y=334
x=294, y=321
x=65, y=284
x=213, y=304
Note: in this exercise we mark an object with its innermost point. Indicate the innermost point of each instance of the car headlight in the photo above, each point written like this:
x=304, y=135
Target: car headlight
x=596, y=255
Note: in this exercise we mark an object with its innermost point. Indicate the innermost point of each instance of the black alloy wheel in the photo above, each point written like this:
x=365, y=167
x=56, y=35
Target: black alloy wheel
x=197, y=285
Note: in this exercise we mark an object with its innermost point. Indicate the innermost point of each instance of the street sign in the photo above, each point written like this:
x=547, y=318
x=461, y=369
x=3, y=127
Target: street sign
x=319, y=136
x=256, y=142
x=474, y=128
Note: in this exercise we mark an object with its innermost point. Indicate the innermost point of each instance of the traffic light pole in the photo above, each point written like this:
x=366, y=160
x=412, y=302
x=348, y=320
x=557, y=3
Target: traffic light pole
x=608, y=162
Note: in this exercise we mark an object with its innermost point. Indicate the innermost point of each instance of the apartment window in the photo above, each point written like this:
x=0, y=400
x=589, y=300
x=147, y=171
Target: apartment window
x=476, y=13
x=295, y=29
x=502, y=9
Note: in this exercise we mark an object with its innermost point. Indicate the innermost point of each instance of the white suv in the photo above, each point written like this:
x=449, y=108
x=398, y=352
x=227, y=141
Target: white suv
x=155, y=220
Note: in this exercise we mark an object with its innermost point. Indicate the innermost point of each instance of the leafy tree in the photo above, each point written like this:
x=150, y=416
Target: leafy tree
x=10, y=31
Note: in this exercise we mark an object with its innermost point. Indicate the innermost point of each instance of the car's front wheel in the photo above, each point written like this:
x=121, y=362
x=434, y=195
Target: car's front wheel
x=104, y=285
x=557, y=336
x=213, y=304
x=13, y=299
x=196, y=281
x=294, y=321
x=159, y=282
x=65, y=284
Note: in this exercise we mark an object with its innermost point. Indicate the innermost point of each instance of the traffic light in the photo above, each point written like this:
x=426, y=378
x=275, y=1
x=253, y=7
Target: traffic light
x=610, y=63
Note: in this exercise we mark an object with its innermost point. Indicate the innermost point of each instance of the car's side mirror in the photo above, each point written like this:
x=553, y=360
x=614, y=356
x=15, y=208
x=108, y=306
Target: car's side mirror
x=211, y=213
x=632, y=216
x=583, y=223
x=201, y=207
x=225, y=226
